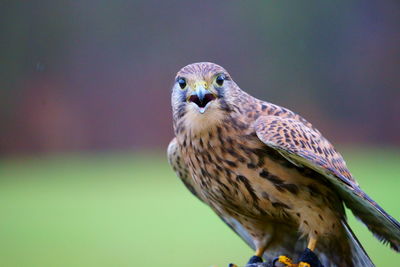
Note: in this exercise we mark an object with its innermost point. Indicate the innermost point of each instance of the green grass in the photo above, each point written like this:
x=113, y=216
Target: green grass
x=131, y=210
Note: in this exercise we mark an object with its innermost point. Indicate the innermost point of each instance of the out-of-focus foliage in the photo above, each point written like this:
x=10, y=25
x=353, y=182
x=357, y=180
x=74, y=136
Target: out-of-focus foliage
x=131, y=210
x=89, y=74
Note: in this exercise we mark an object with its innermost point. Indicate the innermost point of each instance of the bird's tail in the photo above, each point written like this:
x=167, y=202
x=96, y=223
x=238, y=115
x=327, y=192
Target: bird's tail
x=379, y=222
x=345, y=251
x=358, y=254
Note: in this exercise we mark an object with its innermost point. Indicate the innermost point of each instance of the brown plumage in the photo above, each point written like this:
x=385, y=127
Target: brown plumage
x=267, y=172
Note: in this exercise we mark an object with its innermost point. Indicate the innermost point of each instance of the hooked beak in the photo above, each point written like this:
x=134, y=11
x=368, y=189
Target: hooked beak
x=201, y=97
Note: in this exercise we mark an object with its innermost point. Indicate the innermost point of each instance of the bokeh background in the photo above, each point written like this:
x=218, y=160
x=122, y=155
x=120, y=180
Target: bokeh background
x=85, y=117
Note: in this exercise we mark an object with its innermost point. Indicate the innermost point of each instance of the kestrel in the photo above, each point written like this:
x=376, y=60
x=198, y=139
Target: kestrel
x=269, y=174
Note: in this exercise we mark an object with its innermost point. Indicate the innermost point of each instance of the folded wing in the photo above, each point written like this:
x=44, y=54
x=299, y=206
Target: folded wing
x=305, y=146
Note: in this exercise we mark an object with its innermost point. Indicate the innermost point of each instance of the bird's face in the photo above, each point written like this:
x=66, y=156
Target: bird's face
x=199, y=92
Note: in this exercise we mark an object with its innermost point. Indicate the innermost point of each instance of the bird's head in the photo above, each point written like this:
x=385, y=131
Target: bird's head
x=201, y=93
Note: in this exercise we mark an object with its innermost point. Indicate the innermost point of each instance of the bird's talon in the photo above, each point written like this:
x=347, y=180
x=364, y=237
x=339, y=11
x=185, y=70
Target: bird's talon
x=303, y=264
x=285, y=260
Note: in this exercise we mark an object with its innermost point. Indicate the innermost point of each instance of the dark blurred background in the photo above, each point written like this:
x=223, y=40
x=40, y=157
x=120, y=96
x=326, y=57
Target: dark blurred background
x=85, y=118
x=96, y=75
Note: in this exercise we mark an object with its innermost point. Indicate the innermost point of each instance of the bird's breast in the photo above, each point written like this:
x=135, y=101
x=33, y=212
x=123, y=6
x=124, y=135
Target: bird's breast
x=241, y=176
x=226, y=164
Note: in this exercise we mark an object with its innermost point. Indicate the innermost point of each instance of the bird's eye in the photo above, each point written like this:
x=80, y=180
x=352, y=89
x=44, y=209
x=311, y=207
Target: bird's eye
x=220, y=79
x=182, y=83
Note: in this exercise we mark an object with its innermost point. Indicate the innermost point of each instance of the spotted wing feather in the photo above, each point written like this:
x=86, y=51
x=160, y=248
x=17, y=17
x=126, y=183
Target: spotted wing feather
x=305, y=146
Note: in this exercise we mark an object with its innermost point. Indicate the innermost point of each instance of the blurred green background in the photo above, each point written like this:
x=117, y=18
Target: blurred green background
x=130, y=210
x=85, y=118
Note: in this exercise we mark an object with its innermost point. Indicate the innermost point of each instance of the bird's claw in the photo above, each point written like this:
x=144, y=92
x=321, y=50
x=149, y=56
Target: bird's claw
x=307, y=259
x=289, y=263
x=285, y=260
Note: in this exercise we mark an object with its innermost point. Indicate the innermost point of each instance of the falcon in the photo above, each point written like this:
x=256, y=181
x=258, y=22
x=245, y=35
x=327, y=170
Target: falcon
x=269, y=174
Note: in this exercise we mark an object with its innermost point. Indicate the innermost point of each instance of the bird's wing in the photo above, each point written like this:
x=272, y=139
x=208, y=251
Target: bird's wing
x=306, y=147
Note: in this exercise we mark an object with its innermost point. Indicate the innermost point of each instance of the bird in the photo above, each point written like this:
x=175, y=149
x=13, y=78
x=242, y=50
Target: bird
x=269, y=174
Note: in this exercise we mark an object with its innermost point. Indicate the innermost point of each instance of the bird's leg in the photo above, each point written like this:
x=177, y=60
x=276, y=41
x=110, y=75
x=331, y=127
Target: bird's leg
x=308, y=258
x=259, y=252
x=257, y=258
x=312, y=243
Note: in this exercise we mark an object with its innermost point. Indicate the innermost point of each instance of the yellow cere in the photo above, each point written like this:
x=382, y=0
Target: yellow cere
x=200, y=83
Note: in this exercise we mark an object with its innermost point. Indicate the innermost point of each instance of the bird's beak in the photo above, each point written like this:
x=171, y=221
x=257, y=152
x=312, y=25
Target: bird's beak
x=200, y=92
x=201, y=97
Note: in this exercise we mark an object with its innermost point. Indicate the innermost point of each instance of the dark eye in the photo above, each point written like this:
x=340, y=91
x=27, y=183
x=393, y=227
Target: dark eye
x=182, y=83
x=220, y=79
